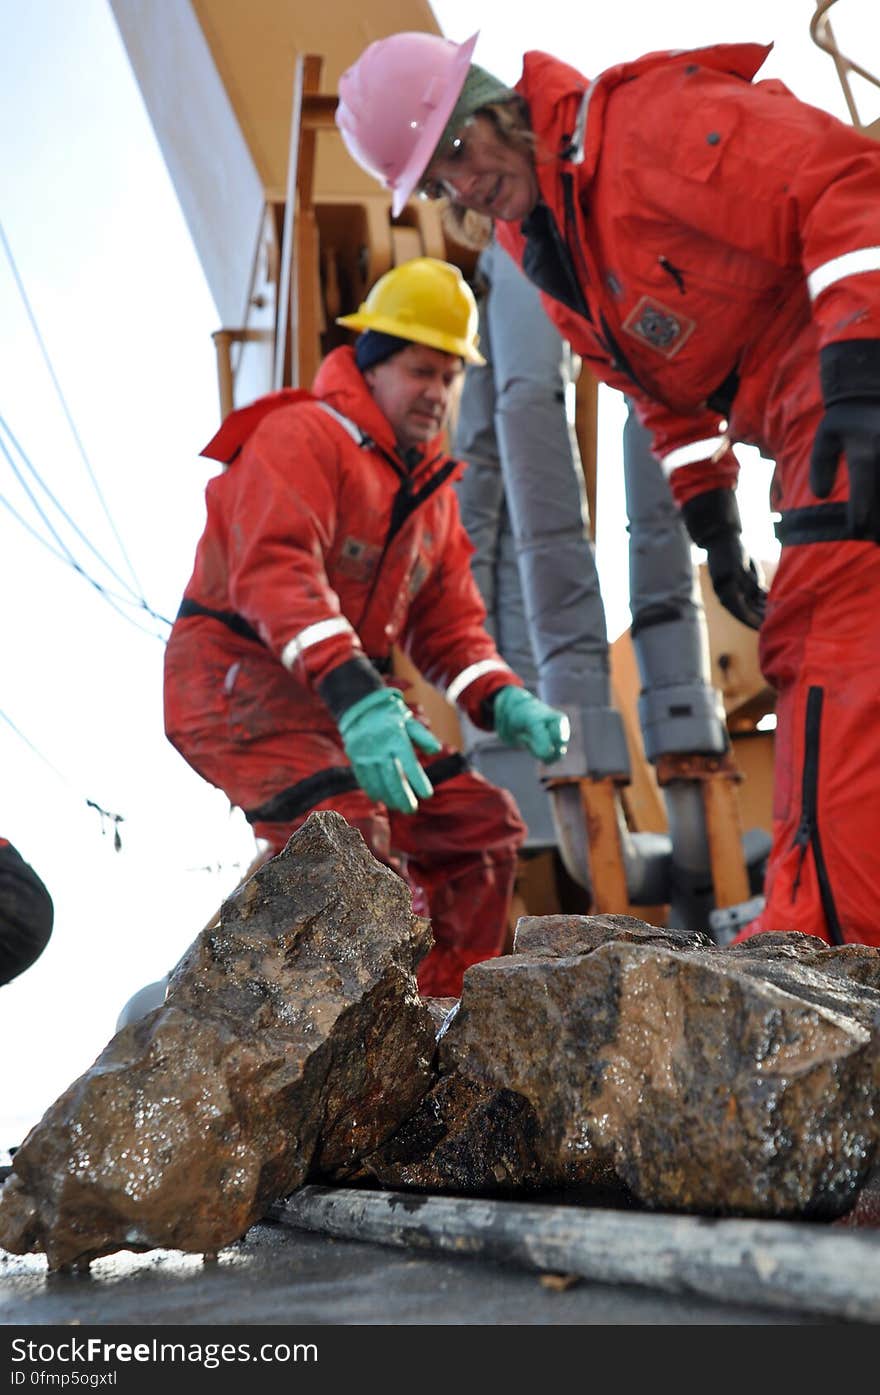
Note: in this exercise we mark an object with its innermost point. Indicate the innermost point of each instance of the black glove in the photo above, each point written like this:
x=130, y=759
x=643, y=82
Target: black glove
x=713, y=521
x=850, y=372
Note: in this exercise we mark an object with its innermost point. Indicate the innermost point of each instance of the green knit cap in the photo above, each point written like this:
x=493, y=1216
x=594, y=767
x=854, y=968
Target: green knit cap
x=480, y=88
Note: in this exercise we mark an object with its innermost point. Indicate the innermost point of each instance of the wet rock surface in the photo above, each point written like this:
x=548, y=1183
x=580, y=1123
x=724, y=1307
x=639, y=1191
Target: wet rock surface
x=725, y=1082
x=465, y=1137
x=292, y=1041
x=442, y=1011
x=605, y=1061
x=866, y=1211
x=557, y=936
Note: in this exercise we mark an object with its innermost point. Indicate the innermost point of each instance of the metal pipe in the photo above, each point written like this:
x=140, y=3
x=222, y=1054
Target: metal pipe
x=775, y=1264
x=584, y=827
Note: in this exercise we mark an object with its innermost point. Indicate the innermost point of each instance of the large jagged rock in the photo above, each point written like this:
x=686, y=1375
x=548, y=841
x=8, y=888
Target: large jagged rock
x=666, y=1069
x=292, y=1041
x=740, y=1082
x=475, y=1138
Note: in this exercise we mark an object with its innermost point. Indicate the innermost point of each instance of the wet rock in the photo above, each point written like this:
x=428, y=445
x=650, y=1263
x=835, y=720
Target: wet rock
x=291, y=1042
x=562, y=935
x=855, y=963
x=442, y=1011
x=866, y=1211
x=464, y=1137
x=530, y=1029
x=704, y=1080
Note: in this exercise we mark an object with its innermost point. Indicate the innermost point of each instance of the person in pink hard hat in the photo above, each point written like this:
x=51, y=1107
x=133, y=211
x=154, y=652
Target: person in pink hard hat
x=710, y=245
x=427, y=74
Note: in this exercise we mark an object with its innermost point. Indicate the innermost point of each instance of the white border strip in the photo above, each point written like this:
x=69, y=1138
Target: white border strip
x=313, y=634
x=470, y=674
x=850, y=264
x=346, y=423
x=689, y=455
x=580, y=128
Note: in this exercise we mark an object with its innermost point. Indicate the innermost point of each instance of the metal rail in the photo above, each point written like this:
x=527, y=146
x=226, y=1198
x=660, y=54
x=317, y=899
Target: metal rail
x=823, y=36
x=776, y=1264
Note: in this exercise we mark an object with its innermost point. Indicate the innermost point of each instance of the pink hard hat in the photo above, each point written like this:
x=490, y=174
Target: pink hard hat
x=394, y=103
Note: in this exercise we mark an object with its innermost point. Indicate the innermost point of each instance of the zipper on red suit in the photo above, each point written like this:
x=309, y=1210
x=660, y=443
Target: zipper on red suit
x=807, y=834
x=406, y=501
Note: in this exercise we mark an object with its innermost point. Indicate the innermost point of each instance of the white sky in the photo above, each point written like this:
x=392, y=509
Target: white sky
x=115, y=286
x=117, y=291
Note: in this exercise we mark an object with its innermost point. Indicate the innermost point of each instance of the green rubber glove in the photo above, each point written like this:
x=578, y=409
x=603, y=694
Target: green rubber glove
x=379, y=733
x=524, y=720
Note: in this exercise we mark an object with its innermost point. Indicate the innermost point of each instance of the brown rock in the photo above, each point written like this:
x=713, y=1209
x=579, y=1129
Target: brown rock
x=855, y=963
x=563, y=935
x=866, y=1211
x=292, y=1040
x=442, y=1011
x=705, y=1083
x=464, y=1137
x=529, y=1026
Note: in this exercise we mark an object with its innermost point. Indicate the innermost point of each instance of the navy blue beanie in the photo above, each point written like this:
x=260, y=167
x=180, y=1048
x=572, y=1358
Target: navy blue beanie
x=375, y=347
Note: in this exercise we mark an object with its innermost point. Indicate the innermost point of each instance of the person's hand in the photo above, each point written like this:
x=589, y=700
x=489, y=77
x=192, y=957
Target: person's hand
x=851, y=428
x=379, y=734
x=523, y=720
x=713, y=521
x=736, y=580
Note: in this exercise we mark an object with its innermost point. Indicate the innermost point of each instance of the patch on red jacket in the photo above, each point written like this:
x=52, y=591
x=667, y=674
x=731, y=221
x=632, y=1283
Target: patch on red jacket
x=659, y=327
x=358, y=558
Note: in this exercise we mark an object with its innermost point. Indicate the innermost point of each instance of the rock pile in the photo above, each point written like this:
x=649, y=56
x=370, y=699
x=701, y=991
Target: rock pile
x=603, y=1054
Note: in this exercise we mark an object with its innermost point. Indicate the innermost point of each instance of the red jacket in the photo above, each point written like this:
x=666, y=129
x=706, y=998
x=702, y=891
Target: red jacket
x=708, y=222
x=299, y=545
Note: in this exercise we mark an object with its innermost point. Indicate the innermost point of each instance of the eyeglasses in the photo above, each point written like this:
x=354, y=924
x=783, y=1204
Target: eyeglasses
x=431, y=189
x=452, y=151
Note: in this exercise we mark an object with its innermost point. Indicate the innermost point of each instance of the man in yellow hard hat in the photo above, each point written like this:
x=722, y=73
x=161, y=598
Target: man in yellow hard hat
x=334, y=535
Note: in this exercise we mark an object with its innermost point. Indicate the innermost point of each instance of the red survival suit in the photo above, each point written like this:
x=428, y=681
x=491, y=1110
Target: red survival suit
x=699, y=239
x=321, y=550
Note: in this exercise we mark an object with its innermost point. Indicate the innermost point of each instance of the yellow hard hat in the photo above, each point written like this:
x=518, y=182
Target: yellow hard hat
x=427, y=301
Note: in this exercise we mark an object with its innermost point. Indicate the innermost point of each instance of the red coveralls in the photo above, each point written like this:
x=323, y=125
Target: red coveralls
x=322, y=550
x=698, y=240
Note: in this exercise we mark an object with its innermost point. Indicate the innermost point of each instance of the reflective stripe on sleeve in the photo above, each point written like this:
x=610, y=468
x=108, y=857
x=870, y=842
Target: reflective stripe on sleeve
x=576, y=149
x=313, y=634
x=470, y=674
x=689, y=455
x=359, y=437
x=850, y=264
